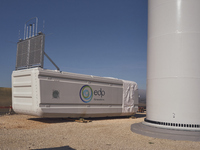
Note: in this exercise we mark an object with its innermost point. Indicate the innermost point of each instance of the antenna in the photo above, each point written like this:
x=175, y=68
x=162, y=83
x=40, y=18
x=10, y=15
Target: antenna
x=30, y=25
x=19, y=35
x=43, y=25
x=27, y=32
x=34, y=24
x=30, y=51
x=33, y=30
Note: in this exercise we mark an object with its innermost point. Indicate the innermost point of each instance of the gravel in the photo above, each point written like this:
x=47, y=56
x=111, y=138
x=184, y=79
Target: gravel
x=23, y=132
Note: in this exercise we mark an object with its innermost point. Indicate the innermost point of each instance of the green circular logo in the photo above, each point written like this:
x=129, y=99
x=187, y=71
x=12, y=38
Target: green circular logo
x=86, y=93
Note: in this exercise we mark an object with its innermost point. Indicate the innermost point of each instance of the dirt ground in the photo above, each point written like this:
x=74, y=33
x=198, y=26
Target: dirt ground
x=22, y=132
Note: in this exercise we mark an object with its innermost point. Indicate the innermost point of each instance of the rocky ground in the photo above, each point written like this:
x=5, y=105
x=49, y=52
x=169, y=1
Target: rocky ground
x=23, y=132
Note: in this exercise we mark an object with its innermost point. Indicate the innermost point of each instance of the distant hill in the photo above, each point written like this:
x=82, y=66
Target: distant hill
x=5, y=96
x=142, y=97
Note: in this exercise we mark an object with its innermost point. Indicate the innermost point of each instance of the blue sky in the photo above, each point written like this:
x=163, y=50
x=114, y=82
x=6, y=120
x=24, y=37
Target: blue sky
x=105, y=38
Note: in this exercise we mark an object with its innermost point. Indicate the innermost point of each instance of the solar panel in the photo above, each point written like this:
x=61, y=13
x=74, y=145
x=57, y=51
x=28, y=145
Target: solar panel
x=30, y=52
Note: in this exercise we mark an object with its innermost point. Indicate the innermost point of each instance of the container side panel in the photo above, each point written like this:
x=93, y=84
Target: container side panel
x=79, y=95
x=22, y=91
x=22, y=100
x=59, y=92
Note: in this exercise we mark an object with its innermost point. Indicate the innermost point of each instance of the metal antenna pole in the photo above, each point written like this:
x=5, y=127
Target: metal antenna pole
x=19, y=34
x=25, y=28
x=33, y=30
x=27, y=32
x=30, y=30
x=52, y=61
x=36, y=25
x=43, y=25
x=24, y=31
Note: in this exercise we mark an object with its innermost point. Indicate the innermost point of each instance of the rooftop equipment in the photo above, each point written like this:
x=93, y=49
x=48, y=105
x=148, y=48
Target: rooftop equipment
x=30, y=51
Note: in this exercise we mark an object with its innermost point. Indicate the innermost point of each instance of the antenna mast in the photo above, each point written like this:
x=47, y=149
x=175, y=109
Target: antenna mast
x=30, y=51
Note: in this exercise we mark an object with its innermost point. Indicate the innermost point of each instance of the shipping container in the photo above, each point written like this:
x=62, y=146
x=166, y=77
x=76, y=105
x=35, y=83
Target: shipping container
x=49, y=93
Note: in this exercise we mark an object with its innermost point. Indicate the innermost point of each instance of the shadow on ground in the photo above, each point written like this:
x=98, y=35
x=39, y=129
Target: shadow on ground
x=62, y=120
x=52, y=120
x=57, y=148
x=140, y=115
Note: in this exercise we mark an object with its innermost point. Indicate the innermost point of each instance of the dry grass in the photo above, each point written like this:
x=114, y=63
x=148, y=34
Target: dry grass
x=5, y=96
x=5, y=99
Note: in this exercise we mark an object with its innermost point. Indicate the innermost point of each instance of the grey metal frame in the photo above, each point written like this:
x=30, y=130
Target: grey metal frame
x=34, y=27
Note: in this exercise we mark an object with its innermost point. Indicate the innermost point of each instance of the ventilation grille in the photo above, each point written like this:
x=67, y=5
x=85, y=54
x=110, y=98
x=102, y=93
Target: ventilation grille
x=173, y=124
x=30, y=52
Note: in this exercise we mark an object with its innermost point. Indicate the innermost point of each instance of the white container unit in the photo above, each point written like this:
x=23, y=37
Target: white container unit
x=173, y=72
x=48, y=93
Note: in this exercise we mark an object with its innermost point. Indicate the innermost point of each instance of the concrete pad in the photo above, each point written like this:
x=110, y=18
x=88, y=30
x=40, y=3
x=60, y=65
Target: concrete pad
x=161, y=133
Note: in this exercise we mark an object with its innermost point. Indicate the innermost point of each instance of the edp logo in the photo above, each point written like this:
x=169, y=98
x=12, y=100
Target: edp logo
x=99, y=92
x=86, y=93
